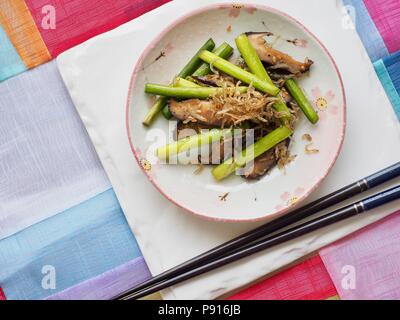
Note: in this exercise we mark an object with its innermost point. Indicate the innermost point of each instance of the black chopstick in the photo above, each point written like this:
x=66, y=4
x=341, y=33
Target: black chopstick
x=336, y=197
x=287, y=235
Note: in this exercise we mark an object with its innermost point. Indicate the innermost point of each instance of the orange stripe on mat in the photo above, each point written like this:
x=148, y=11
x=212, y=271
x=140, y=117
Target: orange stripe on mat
x=21, y=29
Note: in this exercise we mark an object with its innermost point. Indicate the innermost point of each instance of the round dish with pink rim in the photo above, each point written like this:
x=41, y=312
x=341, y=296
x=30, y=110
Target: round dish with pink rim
x=236, y=199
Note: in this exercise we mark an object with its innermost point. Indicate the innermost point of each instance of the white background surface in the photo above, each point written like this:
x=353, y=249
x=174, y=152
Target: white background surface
x=97, y=75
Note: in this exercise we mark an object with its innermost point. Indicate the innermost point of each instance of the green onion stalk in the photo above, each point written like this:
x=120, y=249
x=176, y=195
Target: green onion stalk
x=183, y=83
x=251, y=58
x=238, y=73
x=165, y=110
x=255, y=65
x=192, y=142
x=266, y=143
x=179, y=82
x=188, y=70
x=224, y=51
x=302, y=101
x=188, y=92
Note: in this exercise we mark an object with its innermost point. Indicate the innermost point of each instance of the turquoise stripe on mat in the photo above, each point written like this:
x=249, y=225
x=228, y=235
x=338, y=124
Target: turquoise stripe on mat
x=387, y=83
x=10, y=62
x=366, y=29
x=80, y=243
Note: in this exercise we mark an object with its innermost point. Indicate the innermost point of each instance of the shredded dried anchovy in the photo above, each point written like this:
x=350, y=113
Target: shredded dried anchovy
x=238, y=108
x=282, y=155
x=217, y=79
x=311, y=151
x=199, y=169
x=307, y=137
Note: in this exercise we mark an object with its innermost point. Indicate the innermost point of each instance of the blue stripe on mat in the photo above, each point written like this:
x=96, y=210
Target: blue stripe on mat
x=387, y=83
x=392, y=64
x=10, y=62
x=80, y=243
x=366, y=29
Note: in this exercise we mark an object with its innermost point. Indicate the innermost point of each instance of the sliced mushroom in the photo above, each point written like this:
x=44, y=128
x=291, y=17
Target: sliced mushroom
x=215, y=80
x=207, y=81
x=201, y=111
x=262, y=165
x=277, y=60
x=265, y=163
x=218, y=151
x=184, y=130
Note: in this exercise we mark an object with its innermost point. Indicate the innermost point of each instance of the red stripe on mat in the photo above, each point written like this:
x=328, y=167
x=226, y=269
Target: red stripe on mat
x=2, y=295
x=308, y=280
x=79, y=20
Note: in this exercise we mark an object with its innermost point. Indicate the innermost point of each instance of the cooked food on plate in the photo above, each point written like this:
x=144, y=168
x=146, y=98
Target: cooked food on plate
x=217, y=103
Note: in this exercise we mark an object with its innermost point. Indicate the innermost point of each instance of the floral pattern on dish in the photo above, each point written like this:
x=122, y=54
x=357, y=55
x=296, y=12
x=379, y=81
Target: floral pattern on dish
x=302, y=43
x=290, y=198
x=146, y=164
x=236, y=9
x=324, y=103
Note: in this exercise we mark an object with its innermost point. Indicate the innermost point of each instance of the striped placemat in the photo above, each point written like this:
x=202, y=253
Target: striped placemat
x=26, y=45
x=76, y=21
x=90, y=244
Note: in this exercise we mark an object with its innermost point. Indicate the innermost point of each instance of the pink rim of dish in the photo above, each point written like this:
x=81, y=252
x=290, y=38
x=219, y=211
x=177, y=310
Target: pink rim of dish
x=154, y=43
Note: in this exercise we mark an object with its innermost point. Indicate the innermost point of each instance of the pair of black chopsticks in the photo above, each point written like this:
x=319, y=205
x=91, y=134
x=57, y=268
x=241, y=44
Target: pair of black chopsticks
x=260, y=239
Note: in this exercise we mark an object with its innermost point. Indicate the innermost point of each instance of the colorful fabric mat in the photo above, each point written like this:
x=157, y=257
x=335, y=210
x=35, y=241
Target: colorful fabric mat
x=108, y=284
x=386, y=16
x=76, y=21
x=2, y=295
x=386, y=20
x=20, y=27
x=392, y=64
x=367, y=264
x=10, y=62
x=48, y=163
x=73, y=246
x=366, y=28
x=308, y=280
x=377, y=269
x=377, y=22
x=373, y=253
x=133, y=271
x=389, y=76
x=81, y=64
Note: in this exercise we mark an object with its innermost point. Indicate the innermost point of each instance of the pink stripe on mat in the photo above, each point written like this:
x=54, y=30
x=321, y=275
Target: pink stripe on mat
x=79, y=20
x=386, y=15
x=308, y=280
x=366, y=265
x=2, y=295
